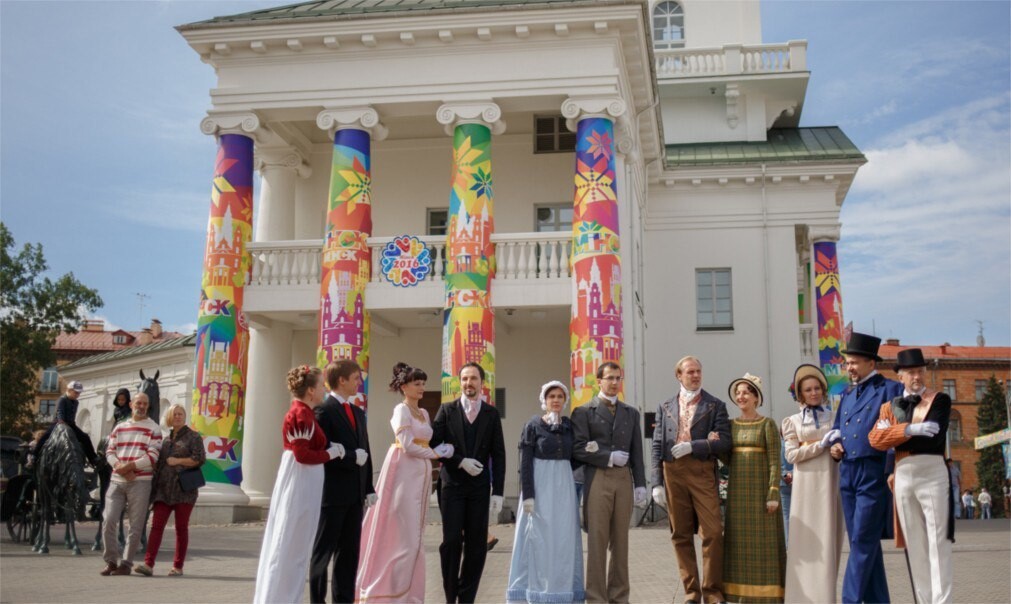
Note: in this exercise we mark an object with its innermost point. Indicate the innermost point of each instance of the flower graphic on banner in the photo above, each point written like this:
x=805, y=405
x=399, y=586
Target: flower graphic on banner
x=482, y=183
x=358, y=188
x=826, y=273
x=599, y=145
x=593, y=183
x=464, y=159
x=406, y=261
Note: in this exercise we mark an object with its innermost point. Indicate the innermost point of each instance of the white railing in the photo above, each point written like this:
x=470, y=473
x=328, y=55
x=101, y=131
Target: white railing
x=732, y=59
x=532, y=256
x=808, y=340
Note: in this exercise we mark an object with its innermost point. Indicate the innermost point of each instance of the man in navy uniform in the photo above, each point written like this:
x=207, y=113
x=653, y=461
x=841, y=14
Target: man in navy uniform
x=862, y=478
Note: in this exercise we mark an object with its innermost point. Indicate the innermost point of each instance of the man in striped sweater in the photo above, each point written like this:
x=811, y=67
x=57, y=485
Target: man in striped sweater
x=133, y=451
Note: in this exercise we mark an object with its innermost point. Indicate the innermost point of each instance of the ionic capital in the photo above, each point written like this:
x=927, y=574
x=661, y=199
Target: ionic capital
x=824, y=233
x=246, y=124
x=361, y=117
x=450, y=115
x=576, y=108
x=281, y=157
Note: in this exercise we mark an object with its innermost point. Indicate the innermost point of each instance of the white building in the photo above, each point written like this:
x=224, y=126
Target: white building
x=720, y=193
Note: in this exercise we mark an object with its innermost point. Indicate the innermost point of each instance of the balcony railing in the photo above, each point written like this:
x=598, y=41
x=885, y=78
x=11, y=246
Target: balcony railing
x=731, y=59
x=808, y=342
x=518, y=256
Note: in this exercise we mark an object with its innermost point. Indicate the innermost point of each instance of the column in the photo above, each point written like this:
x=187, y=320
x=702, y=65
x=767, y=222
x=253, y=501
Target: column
x=269, y=360
x=346, y=259
x=468, y=321
x=595, y=328
x=222, y=333
x=828, y=304
x=279, y=167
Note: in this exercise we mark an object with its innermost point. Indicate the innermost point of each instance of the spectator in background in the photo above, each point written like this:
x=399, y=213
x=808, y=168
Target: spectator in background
x=956, y=486
x=968, y=504
x=985, y=504
x=1007, y=498
x=121, y=406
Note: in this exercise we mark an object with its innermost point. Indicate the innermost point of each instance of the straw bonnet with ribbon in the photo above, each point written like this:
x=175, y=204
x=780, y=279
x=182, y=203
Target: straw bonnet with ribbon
x=802, y=373
x=752, y=380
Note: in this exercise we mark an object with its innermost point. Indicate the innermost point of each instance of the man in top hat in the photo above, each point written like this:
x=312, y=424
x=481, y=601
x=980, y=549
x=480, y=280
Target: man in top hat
x=862, y=483
x=915, y=425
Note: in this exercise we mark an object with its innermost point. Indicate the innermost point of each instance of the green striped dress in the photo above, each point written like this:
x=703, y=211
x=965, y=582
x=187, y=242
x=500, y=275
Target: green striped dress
x=754, y=548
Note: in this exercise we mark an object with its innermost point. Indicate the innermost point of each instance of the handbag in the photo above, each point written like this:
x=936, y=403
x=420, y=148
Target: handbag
x=191, y=479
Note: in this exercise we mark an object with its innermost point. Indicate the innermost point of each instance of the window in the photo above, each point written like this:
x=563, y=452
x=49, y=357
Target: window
x=668, y=26
x=552, y=136
x=955, y=427
x=949, y=388
x=553, y=218
x=437, y=221
x=119, y=339
x=980, y=390
x=713, y=307
x=47, y=409
x=50, y=380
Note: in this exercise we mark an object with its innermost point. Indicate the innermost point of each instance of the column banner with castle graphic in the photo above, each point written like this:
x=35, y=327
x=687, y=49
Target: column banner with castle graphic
x=222, y=344
x=468, y=330
x=828, y=301
x=343, y=321
x=595, y=330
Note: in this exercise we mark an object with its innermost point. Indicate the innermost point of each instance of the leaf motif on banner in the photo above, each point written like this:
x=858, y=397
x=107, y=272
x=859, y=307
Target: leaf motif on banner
x=359, y=186
x=600, y=145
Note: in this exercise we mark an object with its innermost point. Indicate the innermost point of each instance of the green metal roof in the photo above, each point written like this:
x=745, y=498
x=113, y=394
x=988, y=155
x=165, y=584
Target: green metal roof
x=337, y=9
x=783, y=145
x=125, y=353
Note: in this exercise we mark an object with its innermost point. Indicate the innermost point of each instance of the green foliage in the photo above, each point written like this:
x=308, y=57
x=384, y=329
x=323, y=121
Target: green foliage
x=991, y=416
x=34, y=309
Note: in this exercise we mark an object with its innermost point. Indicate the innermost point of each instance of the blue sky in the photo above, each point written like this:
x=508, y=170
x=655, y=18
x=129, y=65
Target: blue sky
x=102, y=160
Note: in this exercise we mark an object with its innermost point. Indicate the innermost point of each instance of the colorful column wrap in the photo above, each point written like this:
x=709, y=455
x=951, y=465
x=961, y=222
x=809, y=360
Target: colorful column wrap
x=347, y=262
x=468, y=322
x=222, y=344
x=828, y=300
x=595, y=330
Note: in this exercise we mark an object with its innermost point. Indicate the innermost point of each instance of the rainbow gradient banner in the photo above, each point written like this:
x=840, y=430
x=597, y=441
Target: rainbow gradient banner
x=347, y=261
x=828, y=300
x=595, y=329
x=468, y=323
x=222, y=344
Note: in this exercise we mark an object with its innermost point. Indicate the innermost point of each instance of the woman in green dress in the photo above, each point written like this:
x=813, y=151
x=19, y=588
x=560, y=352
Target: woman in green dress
x=754, y=550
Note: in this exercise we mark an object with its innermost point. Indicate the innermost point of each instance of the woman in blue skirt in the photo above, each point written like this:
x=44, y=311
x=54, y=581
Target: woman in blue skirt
x=547, y=562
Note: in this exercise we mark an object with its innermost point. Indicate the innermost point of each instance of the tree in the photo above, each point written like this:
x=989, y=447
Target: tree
x=991, y=416
x=34, y=309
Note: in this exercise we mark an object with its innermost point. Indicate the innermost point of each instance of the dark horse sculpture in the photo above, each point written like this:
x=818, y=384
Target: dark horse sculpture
x=62, y=489
x=149, y=386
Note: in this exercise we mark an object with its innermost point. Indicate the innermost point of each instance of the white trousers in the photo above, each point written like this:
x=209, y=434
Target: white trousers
x=922, y=501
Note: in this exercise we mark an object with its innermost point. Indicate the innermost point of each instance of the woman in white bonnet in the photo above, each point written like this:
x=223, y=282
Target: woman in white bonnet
x=547, y=560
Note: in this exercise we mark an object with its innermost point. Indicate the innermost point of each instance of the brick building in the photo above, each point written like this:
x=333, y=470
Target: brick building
x=962, y=372
x=93, y=338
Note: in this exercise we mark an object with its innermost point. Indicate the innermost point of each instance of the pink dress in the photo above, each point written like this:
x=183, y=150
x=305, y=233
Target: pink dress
x=392, y=567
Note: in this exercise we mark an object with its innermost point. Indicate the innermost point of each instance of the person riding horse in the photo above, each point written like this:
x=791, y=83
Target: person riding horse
x=66, y=414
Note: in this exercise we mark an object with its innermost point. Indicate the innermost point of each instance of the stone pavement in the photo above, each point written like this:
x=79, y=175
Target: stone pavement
x=222, y=563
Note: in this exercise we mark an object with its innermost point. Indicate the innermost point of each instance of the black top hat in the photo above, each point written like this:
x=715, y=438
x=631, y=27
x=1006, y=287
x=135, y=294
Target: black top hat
x=863, y=345
x=909, y=358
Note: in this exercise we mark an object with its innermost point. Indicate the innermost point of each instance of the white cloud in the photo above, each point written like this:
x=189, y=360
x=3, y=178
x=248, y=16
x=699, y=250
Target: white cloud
x=109, y=325
x=926, y=245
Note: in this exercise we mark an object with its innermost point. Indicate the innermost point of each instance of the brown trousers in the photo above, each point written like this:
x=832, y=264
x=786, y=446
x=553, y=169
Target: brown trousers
x=608, y=514
x=693, y=497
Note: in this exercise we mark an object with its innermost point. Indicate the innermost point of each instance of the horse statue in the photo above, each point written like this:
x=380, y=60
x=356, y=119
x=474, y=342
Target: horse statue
x=62, y=488
x=149, y=386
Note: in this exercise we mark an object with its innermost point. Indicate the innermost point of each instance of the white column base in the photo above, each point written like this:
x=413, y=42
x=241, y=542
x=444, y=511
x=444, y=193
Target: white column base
x=218, y=493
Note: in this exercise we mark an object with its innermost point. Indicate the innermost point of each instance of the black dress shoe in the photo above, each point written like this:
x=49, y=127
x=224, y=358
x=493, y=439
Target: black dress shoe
x=492, y=543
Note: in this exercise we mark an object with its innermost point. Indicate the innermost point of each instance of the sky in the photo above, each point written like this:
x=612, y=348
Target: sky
x=102, y=160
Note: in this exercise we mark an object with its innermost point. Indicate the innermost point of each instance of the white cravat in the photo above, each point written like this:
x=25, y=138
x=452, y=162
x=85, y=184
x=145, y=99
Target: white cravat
x=470, y=407
x=688, y=395
x=611, y=399
x=906, y=392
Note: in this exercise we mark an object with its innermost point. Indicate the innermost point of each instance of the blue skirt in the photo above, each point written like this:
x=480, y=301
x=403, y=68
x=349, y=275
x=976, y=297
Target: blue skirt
x=547, y=562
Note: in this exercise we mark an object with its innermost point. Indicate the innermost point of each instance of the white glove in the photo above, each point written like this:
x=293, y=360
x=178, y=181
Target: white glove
x=528, y=506
x=496, y=505
x=883, y=424
x=681, y=449
x=618, y=459
x=361, y=457
x=830, y=436
x=370, y=500
x=640, y=497
x=927, y=429
x=335, y=450
x=659, y=496
x=592, y=447
x=471, y=466
x=444, y=450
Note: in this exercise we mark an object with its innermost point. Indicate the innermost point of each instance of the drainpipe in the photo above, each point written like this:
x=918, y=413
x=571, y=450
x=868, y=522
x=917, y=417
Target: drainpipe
x=765, y=271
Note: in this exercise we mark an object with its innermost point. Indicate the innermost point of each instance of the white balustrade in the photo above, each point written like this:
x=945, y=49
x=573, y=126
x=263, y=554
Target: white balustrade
x=808, y=341
x=518, y=256
x=731, y=59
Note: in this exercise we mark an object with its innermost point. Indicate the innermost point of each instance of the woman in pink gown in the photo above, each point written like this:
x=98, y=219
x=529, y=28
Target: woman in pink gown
x=392, y=567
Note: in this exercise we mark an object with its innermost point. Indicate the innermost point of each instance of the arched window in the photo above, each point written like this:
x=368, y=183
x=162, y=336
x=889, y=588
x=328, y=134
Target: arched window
x=668, y=26
x=955, y=427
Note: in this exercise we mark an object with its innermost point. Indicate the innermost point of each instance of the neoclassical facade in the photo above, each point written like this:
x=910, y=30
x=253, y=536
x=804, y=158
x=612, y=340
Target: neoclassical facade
x=584, y=181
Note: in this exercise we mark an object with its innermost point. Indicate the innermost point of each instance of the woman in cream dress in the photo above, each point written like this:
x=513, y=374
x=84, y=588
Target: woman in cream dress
x=816, y=509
